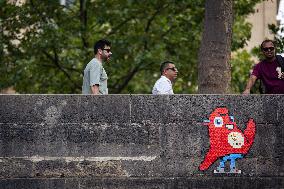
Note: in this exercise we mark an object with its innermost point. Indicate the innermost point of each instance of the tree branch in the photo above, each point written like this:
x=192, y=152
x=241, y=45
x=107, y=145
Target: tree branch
x=150, y=20
x=83, y=20
x=43, y=18
x=136, y=69
x=66, y=68
x=114, y=30
x=126, y=79
x=55, y=60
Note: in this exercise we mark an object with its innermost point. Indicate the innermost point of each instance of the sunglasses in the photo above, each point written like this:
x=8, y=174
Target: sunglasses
x=107, y=50
x=268, y=49
x=173, y=69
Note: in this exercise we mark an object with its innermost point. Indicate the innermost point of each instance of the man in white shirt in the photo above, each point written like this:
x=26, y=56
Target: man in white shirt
x=164, y=85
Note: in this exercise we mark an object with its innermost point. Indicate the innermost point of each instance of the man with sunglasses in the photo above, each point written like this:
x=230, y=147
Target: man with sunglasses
x=164, y=85
x=268, y=70
x=95, y=77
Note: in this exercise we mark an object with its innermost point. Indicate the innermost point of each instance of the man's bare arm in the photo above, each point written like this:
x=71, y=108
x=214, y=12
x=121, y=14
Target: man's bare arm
x=95, y=89
x=250, y=84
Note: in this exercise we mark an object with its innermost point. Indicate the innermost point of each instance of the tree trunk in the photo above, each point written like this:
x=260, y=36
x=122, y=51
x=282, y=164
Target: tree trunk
x=214, y=69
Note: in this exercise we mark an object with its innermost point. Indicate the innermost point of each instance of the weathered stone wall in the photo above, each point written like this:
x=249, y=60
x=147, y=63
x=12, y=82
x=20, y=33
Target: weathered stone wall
x=132, y=141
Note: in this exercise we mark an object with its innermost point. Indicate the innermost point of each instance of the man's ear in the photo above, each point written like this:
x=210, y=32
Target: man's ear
x=100, y=51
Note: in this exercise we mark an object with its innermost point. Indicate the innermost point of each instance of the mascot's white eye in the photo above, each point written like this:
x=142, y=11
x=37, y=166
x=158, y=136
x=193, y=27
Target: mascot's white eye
x=218, y=121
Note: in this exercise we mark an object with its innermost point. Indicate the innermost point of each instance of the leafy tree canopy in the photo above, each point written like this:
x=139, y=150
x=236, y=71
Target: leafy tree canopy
x=45, y=46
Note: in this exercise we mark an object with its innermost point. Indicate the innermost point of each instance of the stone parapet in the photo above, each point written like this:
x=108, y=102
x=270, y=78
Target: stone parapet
x=131, y=141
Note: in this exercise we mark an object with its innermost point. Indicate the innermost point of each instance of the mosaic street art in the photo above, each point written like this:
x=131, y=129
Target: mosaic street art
x=227, y=141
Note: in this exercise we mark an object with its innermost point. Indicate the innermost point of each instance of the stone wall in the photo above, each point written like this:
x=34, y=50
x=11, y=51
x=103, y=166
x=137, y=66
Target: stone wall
x=132, y=141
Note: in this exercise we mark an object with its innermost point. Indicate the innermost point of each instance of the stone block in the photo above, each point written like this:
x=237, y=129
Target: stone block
x=52, y=109
x=149, y=108
x=63, y=139
x=104, y=109
x=271, y=105
x=15, y=168
x=212, y=183
x=245, y=182
x=38, y=108
x=280, y=109
x=267, y=141
x=269, y=167
x=198, y=108
x=78, y=169
x=37, y=184
x=122, y=183
x=270, y=182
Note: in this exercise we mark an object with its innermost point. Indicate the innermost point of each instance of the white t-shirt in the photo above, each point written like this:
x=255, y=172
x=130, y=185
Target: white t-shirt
x=163, y=86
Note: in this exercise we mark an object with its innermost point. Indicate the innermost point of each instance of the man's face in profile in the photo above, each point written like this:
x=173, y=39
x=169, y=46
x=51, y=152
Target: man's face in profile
x=171, y=72
x=106, y=53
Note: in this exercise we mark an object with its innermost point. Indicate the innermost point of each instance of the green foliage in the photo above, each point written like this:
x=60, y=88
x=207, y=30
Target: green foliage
x=242, y=65
x=241, y=33
x=45, y=46
x=279, y=39
x=241, y=28
x=244, y=7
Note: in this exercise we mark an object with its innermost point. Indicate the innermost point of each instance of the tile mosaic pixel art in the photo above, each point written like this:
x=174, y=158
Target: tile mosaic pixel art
x=227, y=141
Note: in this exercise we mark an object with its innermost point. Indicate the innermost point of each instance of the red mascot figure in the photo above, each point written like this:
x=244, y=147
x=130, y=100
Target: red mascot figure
x=227, y=141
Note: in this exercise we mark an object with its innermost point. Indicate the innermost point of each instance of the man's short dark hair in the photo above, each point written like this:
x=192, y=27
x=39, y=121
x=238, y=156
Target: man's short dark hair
x=267, y=41
x=164, y=65
x=100, y=44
